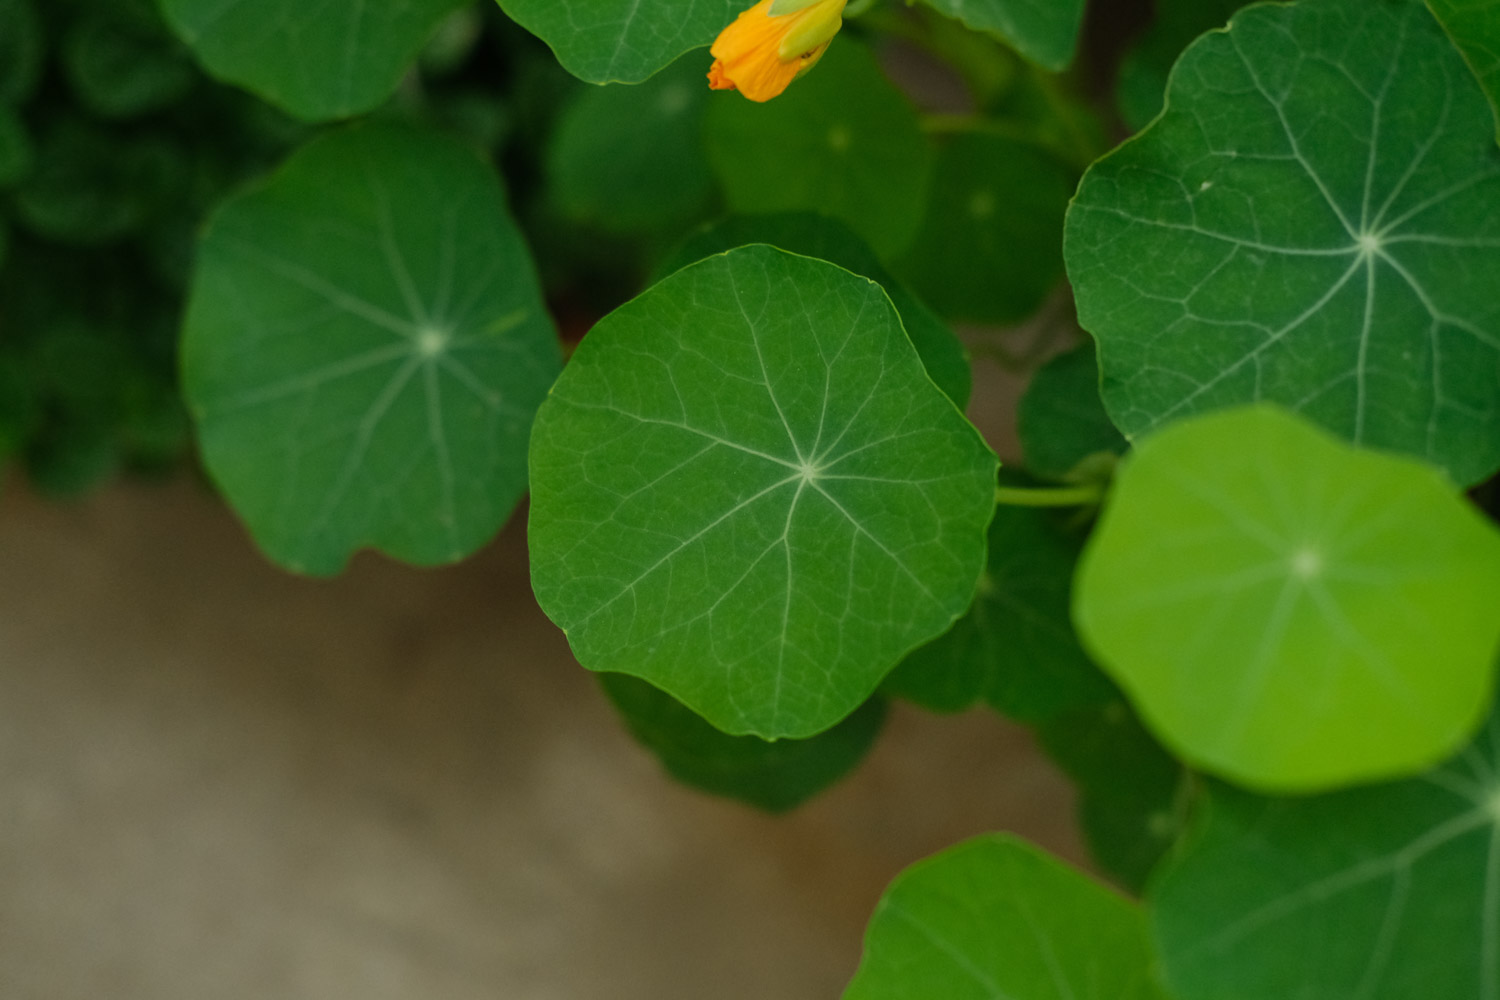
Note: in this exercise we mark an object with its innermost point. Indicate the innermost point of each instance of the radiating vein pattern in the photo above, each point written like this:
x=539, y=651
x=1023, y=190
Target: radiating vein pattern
x=605, y=41
x=363, y=369
x=1315, y=221
x=1406, y=877
x=746, y=490
x=1317, y=614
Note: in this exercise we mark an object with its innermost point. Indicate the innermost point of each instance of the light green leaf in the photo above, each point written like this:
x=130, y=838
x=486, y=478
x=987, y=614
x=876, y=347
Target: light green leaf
x=317, y=61
x=989, y=249
x=623, y=41
x=1061, y=420
x=819, y=236
x=995, y=917
x=630, y=159
x=773, y=775
x=364, y=349
x=1288, y=611
x=1314, y=221
x=1044, y=31
x=1474, y=26
x=1016, y=647
x=746, y=490
x=1132, y=794
x=1383, y=893
x=843, y=141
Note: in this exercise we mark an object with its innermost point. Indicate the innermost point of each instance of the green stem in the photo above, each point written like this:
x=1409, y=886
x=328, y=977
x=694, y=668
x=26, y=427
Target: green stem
x=1048, y=496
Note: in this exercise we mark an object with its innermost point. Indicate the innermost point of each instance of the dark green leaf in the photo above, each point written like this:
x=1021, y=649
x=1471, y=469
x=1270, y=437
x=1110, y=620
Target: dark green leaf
x=364, y=349
x=1383, y=893
x=1287, y=610
x=1131, y=792
x=21, y=50
x=1142, y=81
x=827, y=239
x=1474, y=26
x=995, y=918
x=318, y=61
x=746, y=490
x=1044, y=31
x=16, y=153
x=990, y=246
x=630, y=159
x=1314, y=221
x=1016, y=647
x=121, y=65
x=624, y=41
x=843, y=141
x=1061, y=419
x=774, y=775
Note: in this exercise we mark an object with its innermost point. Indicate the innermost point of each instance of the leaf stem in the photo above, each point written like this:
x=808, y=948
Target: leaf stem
x=1048, y=496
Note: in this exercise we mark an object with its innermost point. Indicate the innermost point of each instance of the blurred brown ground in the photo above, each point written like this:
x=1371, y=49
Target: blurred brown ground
x=219, y=781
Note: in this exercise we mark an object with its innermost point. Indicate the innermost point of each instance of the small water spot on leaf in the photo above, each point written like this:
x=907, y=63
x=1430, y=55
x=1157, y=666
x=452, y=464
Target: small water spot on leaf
x=838, y=138
x=982, y=205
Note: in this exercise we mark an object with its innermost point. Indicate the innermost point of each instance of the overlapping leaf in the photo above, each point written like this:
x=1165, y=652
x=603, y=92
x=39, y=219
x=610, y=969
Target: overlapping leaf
x=1016, y=648
x=1290, y=611
x=1061, y=419
x=843, y=141
x=746, y=490
x=622, y=41
x=995, y=917
x=827, y=239
x=364, y=349
x=1044, y=31
x=775, y=775
x=1383, y=893
x=1315, y=221
x=1475, y=27
x=317, y=61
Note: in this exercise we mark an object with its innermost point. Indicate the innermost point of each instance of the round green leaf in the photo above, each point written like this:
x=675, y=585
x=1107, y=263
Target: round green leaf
x=364, y=349
x=1474, y=26
x=746, y=490
x=1061, y=420
x=623, y=41
x=843, y=141
x=775, y=775
x=1044, y=31
x=827, y=239
x=995, y=917
x=990, y=246
x=1314, y=220
x=1288, y=611
x=318, y=61
x=87, y=186
x=1383, y=893
x=630, y=159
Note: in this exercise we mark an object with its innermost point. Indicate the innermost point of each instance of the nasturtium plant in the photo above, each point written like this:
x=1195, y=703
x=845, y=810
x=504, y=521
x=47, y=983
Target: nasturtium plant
x=1390, y=892
x=1317, y=615
x=1232, y=580
x=1312, y=221
x=747, y=491
x=316, y=61
x=996, y=917
x=364, y=350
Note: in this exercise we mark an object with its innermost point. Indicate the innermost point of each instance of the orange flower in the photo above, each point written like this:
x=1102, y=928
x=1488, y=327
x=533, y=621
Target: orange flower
x=773, y=43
